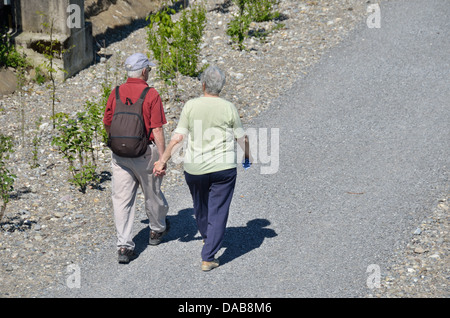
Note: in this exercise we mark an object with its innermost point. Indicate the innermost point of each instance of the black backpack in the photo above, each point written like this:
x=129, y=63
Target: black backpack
x=127, y=135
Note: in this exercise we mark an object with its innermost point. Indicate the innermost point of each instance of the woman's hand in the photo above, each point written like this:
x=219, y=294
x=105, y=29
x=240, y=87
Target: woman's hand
x=159, y=168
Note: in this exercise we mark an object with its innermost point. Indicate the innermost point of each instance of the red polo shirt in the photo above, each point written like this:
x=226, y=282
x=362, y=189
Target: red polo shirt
x=153, y=110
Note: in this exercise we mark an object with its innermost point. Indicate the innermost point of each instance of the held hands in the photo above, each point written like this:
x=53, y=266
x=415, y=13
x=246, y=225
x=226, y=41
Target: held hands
x=159, y=169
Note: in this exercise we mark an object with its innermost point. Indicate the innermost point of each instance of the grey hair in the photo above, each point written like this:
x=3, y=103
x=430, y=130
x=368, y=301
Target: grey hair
x=214, y=80
x=135, y=74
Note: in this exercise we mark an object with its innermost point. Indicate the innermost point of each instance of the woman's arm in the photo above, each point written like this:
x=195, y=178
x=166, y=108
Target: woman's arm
x=161, y=164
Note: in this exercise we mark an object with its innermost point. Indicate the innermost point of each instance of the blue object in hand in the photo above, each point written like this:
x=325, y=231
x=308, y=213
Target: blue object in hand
x=246, y=164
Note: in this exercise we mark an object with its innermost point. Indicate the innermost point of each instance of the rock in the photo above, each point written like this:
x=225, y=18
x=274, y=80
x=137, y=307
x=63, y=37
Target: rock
x=419, y=250
x=8, y=82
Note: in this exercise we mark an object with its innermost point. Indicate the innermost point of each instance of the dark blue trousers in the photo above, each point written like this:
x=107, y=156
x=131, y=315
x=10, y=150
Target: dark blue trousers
x=212, y=194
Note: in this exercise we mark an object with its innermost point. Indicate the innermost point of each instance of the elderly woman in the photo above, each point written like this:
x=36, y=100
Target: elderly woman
x=211, y=125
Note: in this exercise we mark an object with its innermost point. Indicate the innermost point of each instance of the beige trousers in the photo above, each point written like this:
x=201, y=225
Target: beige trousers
x=127, y=175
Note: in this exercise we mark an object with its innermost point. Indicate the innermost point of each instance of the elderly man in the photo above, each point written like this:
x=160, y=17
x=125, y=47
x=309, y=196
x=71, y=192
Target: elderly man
x=130, y=172
x=211, y=125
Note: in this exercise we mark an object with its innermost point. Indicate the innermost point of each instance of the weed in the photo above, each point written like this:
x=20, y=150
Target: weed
x=250, y=11
x=78, y=140
x=36, y=141
x=9, y=56
x=6, y=177
x=262, y=10
x=51, y=50
x=176, y=45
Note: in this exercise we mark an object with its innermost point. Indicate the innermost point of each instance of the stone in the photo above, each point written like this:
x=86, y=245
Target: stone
x=8, y=82
x=419, y=250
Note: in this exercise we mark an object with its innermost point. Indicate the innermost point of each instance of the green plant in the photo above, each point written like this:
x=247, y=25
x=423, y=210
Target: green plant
x=176, y=45
x=20, y=75
x=262, y=10
x=36, y=141
x=6, y=177
x=187, y=39
x=78, y=140
x=159, y=35
x=96, y=110
x=51, y=50
x=250, y=11
x=39, y=76
x=75, y=144
x=9, y=56
x=239, y=26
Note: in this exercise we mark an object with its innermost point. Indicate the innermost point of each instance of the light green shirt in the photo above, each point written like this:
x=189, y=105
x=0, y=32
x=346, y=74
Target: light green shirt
x=211, y=124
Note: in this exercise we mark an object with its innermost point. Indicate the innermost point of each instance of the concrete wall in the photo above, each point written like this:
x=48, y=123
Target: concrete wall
x=77, y=41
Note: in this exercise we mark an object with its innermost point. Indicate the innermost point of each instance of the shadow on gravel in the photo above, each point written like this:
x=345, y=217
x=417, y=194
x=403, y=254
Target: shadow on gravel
x=182, y=228
x=238, y=240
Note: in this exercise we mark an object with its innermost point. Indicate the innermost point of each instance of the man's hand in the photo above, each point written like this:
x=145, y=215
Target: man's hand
x=159, y=168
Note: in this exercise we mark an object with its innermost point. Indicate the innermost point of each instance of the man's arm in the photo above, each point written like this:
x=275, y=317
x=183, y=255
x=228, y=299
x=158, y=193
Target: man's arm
x=160, y=141
x=245, y=145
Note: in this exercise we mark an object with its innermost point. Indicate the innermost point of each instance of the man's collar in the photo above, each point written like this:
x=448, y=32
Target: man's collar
x=136, y=81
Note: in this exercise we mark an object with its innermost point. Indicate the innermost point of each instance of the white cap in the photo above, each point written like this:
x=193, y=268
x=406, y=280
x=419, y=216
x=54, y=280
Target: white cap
x=137, y=61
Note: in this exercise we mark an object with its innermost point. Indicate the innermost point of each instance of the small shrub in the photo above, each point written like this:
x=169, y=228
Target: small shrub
x=36, y=141
x=176, y=45
x=51, y=50
x=6, y=177
x=75, y=145
x=78, y=140
x=39, y=76
x=262, y=10
x=238, y=27
x=9, y=56
x=249, y=11
x=188, y=37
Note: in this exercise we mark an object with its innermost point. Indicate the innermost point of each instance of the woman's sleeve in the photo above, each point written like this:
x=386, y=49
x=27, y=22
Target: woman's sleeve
x=183, y=123
x=237, y=124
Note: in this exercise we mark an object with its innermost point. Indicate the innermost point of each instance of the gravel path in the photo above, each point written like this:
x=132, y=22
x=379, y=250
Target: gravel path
x=362, y=177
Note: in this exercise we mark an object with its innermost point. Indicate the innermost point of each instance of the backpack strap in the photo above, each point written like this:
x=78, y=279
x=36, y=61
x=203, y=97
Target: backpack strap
x=143, y=95
x=117, y=93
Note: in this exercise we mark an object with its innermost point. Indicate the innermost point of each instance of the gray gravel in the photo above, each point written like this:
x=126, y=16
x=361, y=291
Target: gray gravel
x=363, y=162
